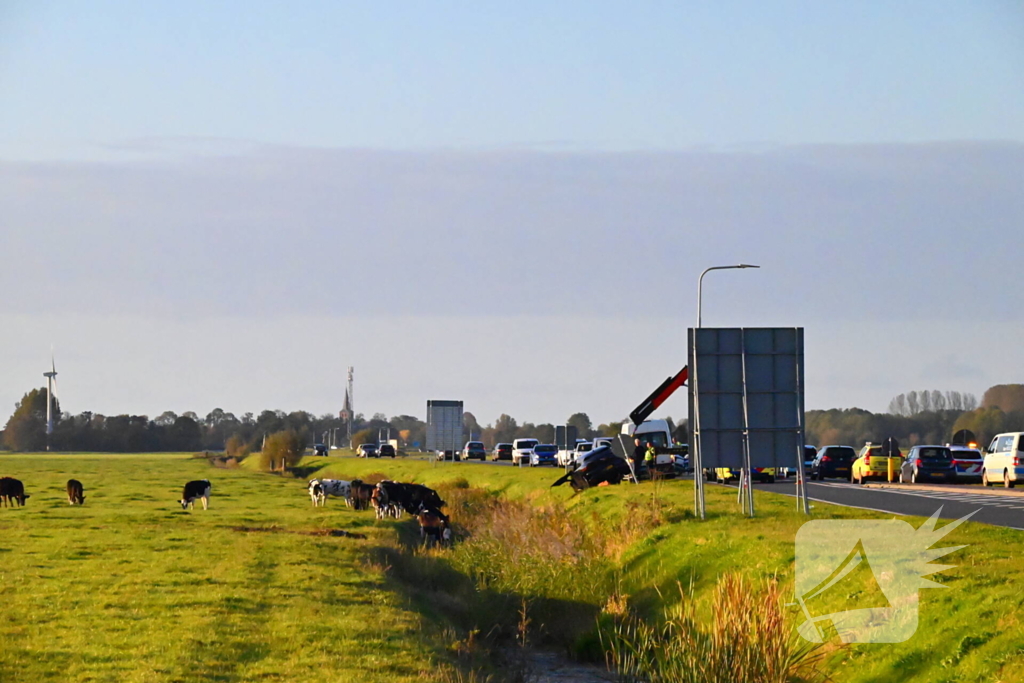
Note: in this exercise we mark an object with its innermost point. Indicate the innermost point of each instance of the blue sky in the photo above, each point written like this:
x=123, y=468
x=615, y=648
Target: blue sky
x=232, y=203
x=579, y=75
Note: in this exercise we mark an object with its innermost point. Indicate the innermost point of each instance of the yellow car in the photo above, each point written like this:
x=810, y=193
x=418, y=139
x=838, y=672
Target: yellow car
x=871, y=464
x=765, y=475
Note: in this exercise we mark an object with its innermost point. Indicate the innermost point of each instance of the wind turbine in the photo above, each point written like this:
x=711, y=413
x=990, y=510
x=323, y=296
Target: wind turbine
x=51, y=395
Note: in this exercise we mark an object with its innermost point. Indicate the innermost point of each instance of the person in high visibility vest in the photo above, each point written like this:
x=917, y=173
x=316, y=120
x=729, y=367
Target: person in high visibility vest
x=649, y=458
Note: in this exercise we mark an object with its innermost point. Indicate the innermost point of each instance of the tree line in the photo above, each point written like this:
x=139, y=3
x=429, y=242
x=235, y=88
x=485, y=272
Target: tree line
x=933, y=420
x=930, y=417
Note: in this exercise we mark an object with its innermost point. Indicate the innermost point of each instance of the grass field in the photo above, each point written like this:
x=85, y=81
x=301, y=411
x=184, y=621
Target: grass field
x=971, y=631
x=131, y=588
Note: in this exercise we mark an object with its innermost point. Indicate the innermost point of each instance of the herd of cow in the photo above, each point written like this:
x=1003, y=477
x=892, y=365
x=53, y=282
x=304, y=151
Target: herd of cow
x=390, y=499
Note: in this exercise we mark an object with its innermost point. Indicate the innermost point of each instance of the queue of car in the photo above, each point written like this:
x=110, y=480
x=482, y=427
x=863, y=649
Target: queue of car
x=1001, y=463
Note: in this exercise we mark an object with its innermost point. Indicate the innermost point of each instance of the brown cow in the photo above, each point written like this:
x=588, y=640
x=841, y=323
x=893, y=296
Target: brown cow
x=434, y=526
x=361, y=494
x=76, y=494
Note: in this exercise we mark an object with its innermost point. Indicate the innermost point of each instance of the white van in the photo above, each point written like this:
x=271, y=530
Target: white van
x=522, y=450
x=1004, y=460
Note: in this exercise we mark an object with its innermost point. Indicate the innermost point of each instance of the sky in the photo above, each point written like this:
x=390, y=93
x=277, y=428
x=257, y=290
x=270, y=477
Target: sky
x=227, y=204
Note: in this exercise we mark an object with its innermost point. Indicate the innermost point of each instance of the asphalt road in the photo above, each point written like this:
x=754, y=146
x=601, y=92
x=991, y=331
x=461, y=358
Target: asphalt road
x=999, y=507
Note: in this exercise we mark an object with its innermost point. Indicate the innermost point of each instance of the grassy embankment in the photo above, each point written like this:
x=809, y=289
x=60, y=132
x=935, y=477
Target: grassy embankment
x=968, y=632
x=131, y=588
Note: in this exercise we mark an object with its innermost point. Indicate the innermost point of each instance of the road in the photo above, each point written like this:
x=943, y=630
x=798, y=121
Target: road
x=998, y=507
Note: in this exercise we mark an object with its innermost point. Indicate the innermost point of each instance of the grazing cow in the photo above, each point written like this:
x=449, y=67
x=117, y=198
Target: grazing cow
x=193, y=490
x=76, y=494
x=390, y=499
x=320, y=489
x=434, y=526
x=362, y=494
x=415, y=496
x=11, y=491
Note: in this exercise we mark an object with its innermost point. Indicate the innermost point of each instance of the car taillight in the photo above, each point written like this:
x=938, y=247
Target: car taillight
x=1017, y=462
x=825, y=458
x=917, y=462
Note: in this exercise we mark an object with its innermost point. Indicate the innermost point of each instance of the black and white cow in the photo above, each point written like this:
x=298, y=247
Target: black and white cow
x=193, y=490
x=388, y=499
x=320, y=489
x=12, y=491
x=76, y=494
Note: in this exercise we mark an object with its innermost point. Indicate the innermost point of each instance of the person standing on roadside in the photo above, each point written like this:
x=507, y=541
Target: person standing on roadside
x=650, y=455
x=638, y=456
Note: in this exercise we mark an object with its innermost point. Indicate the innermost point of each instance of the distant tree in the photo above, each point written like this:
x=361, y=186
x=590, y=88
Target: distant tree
x=1006, y=397
x=26, y=428
x=582, y=423
x=363, y=436
x=913, y=406
x=681, y=434
x=471, y=429
x=505, y=428
x=166, y=418
x=283, y=449
x=236, y=447
x=925, y=400
x=610, y=429
x=185, y=434
x=985, y=423
x=938, y=400
x=545, y=433
x=970, y=401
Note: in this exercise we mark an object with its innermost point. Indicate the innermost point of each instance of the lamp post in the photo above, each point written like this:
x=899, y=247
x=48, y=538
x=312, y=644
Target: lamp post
x=700, y=282
x=698, y=474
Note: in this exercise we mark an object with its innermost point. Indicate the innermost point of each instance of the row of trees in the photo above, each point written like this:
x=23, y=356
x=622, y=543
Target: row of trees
x=913, y=419
x=926, y=401
x=1002, y=409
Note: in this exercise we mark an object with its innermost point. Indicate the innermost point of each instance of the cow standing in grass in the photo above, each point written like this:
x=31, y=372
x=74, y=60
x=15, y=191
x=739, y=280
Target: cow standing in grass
x=196, y=489
x=434, y=527
x=76, y=494
x=362, y=494
x=389, y=499
x=416, y=496
x=12, y=491
x=321, y=489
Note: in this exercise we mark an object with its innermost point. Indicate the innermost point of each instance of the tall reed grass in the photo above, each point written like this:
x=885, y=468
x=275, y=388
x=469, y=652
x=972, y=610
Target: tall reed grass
x=740, y=634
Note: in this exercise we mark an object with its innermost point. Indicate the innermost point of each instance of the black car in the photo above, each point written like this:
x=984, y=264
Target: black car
x=319, y=449
x=386, y=450
x=503, y=451
x=928, y=463
x=596, y=467
x=833, y=462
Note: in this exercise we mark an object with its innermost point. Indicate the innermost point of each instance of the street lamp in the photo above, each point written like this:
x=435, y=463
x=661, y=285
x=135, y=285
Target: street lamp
x=700, y=282
x=698, y=480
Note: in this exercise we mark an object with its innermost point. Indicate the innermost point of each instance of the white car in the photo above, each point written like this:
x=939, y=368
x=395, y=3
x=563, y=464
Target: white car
x=522, y=450
x=1004, y=460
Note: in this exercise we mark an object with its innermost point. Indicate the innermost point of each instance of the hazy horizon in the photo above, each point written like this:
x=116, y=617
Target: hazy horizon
x=227, y=206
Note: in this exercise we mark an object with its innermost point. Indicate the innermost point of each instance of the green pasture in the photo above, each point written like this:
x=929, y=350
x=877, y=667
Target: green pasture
x=264, y=587
x=131, y=588
x=969, y=631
